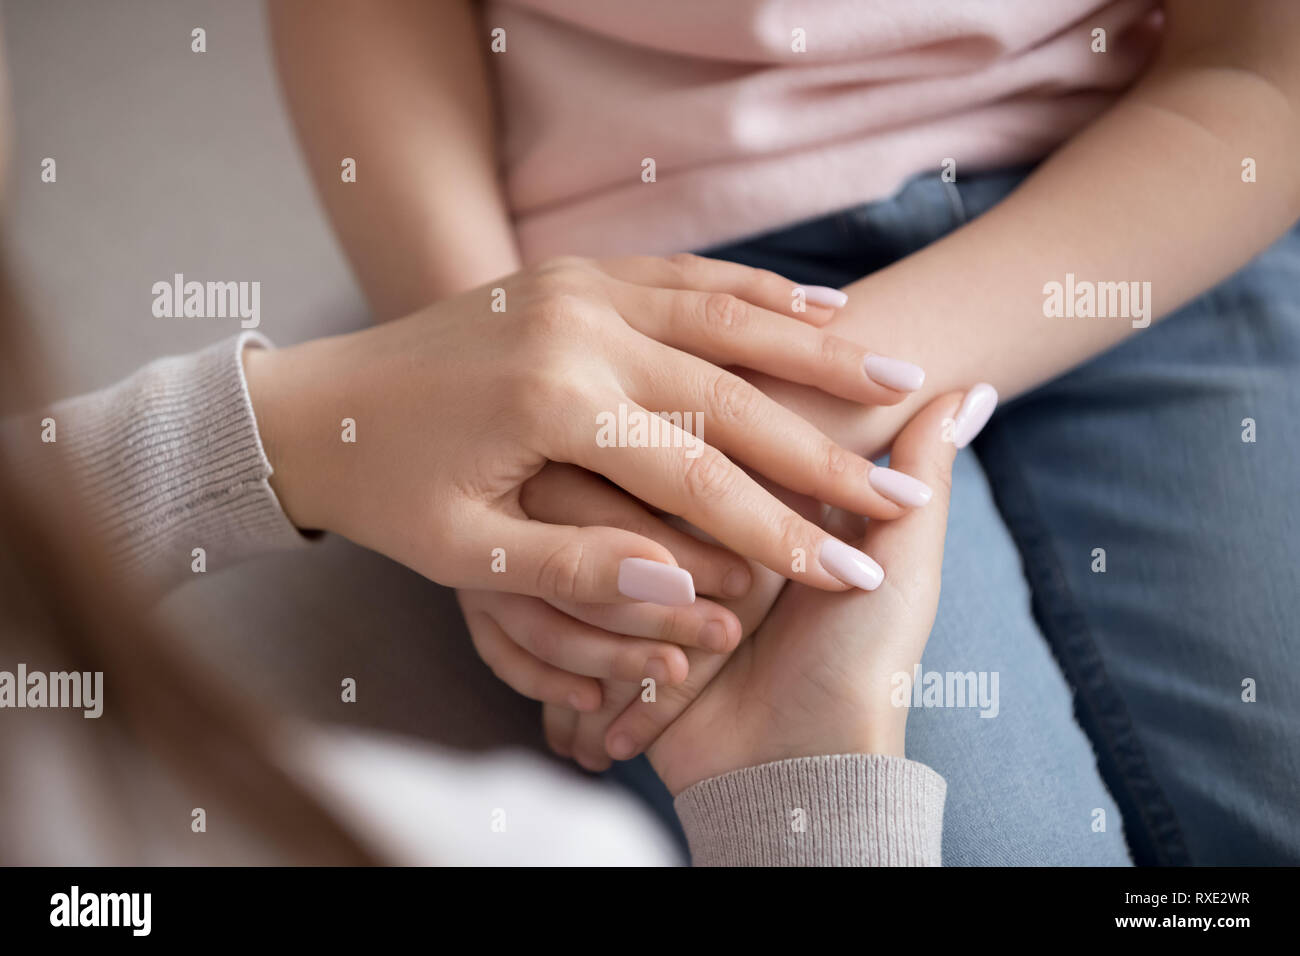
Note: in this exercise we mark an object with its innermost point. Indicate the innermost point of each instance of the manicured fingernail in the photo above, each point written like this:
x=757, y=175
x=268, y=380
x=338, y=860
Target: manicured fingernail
x=655, y=582
x=657, y=669
x=899, y=488
x=737, y=582
x=850, y=565
x=894, y=373
x=976, y=408
x=824, y=295
x=713, y=636
x=621, y=747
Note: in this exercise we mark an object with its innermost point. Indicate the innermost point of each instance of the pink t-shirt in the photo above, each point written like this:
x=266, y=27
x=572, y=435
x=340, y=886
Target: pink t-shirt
x=760, y=113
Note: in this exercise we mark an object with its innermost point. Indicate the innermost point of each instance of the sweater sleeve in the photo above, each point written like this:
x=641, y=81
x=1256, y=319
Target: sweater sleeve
x=169, y=460
x=840, y=810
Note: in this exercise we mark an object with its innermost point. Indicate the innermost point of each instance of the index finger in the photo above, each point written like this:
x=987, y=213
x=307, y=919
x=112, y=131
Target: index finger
x=814, y=304
x=682, y=474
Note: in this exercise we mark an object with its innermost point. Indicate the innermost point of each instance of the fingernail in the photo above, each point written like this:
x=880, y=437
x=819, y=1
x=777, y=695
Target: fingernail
x=657, y=669
x=976, y=408
x=621, y=747
x=655, y=582
x=575, y=701
x=824, y=295
x=894, y=373
x=713, y=636
x=737, y=582
x=898, y=487
x=850, y=565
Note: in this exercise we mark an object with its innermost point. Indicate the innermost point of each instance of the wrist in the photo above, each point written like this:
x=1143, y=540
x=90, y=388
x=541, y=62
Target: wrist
x=680, y=763
x=853, y=733
x=272, y=400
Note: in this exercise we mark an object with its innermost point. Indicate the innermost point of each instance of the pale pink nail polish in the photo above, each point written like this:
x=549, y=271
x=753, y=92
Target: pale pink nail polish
x=825, y=296
x=655, y=582
x=899, y=488
x=894, y=373
x=976, y=409
x=850, y=565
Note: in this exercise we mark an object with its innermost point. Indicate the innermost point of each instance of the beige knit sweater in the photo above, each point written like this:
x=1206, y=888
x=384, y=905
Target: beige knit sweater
x=171, y=456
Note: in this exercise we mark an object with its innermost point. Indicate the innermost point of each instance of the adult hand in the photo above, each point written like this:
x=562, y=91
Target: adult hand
x=819, y=675
x=456, y=407
x=554, y=650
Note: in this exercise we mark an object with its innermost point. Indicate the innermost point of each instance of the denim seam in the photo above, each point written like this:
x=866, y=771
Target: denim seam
x=1078, y=656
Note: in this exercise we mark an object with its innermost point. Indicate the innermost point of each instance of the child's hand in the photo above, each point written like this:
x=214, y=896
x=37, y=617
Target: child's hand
x=558, y=652
x=817, y=676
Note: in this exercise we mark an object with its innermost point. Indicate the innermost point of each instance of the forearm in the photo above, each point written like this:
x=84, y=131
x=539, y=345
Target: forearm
x=1151, y=192
x=401, y=87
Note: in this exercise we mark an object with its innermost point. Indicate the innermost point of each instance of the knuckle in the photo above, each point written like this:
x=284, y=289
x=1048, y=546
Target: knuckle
x=561, y=269
x=560, y=313
x=561, y=574
x=832, y=350
x=554, y=383
x=733, y=399
x=670, y=625
x=836, y=461
x=790, y=530
x=941, y=472
x=709, y=477
x=724, y=313
x=684, y=264
x=551, y=399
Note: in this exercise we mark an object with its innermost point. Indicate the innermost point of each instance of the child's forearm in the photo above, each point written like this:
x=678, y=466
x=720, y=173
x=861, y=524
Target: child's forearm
x=1153, y=192
x=399, y=86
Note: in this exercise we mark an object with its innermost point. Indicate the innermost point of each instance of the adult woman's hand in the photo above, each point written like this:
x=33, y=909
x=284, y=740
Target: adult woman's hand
x=558, y=651
x=452, y=410
x=820, y=674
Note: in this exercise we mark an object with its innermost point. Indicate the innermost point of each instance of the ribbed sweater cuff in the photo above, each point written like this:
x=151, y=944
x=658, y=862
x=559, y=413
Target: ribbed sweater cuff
x=170, y=460
x=841, y=810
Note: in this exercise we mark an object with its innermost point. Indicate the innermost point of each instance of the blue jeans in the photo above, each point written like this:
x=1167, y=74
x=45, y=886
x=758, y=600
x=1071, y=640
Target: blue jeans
x=1124, y=695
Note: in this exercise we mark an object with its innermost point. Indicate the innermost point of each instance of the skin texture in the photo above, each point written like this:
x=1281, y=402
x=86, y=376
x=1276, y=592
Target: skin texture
x=425, y=218
x=818, y=675
x=443, y=450
x=1151, y=191
x=815, y=679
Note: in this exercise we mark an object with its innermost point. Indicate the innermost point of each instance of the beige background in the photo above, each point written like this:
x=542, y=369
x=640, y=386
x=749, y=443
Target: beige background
x=173, y=161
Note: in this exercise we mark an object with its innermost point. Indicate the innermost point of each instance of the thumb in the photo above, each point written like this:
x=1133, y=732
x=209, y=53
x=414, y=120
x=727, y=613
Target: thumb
x=910, y=547
x=595, y=565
